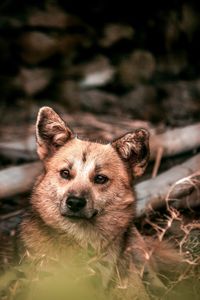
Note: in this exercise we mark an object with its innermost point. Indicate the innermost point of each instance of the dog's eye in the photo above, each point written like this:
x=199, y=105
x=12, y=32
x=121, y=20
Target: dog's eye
x=65, y=174
x=100, y=179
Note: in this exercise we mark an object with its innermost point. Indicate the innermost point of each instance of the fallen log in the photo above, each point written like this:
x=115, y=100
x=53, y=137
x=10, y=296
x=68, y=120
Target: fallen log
x=168, y=187
x=176, y=141
x=19, y=179
x=151, y=193
x=87, y=125
x=170, y=143
x=23, y=148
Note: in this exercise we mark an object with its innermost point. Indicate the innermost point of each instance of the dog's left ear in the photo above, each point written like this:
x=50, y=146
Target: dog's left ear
x=133, y=148
x=51, y=132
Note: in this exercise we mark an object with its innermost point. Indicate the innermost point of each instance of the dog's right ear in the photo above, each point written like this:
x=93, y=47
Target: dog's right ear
x=133, y=148
x=51, y=132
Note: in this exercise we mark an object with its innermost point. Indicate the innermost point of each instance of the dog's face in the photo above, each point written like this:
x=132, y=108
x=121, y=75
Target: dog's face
x=86, y=185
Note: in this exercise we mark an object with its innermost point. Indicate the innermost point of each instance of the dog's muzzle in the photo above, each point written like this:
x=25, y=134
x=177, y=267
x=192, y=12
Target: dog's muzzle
x=77, y=208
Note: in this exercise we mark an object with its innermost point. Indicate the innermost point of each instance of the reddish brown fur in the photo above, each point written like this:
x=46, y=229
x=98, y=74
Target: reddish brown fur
x=114, y=215
x=46, y=232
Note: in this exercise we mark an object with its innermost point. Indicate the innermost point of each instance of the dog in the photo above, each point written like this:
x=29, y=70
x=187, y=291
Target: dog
x=85, y=199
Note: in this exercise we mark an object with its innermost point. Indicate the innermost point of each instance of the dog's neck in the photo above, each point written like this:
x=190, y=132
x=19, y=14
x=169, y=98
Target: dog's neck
x=47, y=242
x=44, y=246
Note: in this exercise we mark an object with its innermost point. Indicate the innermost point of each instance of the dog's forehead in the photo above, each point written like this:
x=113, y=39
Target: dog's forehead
x=87, y=152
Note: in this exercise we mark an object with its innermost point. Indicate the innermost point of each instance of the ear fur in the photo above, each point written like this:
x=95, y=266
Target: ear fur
x=133, y=148
x=51, y=132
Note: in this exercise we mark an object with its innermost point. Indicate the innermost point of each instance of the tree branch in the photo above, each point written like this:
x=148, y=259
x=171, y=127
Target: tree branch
x=19, y=179
x=168, y=186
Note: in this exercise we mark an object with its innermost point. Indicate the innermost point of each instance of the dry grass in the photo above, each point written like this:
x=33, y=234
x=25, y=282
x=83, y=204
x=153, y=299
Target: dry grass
x=181, y=227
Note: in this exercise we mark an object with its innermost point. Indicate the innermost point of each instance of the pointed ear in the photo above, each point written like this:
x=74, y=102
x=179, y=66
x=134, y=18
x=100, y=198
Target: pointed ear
x=133, y=148
x=51, y=132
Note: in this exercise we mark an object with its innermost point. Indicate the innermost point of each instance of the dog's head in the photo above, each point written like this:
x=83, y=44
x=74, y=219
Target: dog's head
x=86, y=184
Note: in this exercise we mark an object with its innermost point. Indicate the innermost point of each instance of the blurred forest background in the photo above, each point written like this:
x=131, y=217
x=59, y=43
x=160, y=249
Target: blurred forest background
x=107, y=67
x=138, y=59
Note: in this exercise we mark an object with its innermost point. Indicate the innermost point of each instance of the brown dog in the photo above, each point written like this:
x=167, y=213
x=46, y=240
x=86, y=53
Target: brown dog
x=85, y=196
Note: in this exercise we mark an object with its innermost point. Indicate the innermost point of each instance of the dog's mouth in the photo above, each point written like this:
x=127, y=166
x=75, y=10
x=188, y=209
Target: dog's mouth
x=83, y=215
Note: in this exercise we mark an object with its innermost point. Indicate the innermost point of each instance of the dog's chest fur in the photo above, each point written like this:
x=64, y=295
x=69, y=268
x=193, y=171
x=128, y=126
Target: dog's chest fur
x=84, y=201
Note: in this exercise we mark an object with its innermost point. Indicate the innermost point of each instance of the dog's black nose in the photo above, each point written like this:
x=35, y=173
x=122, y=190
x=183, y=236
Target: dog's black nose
x=75, y=204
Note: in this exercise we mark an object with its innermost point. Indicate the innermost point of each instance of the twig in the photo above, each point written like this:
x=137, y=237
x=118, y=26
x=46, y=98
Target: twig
x=157, y=162
x=11, y=214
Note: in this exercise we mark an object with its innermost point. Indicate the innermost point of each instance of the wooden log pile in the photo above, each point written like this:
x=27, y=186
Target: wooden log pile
x=106, y=73
x=101, y=70
x=88, y=59
x=174, y=185
x=176, y=188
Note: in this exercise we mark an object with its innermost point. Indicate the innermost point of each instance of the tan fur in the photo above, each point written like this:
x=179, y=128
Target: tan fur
x=46, y=233
x=105, y=232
